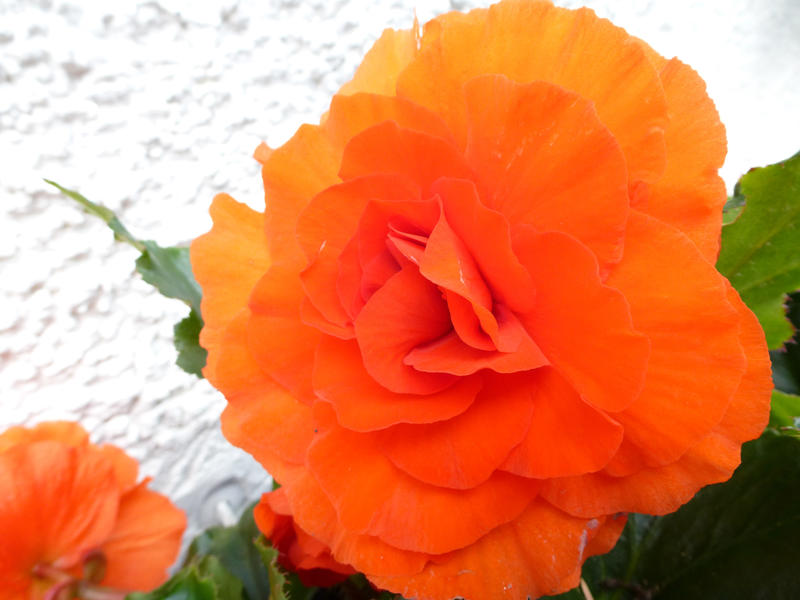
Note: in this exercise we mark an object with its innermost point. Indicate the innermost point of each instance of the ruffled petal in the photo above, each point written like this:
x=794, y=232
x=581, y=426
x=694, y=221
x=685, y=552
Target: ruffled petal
x=535, y=41
x=406, y=312
x=538, y=553
x=387, y=148
x=486, y=235
x=566, y=435
x=372, y=496
x=680, y=302
x=350, y=115
x=227, y=262
x=258, y=408
x=690, y=194
x=387, y=58
x=279, y=341
x=361, y=404
x=314, y=512
x=548, y=161
x=464, y=451
x=583, y=327
x=326, y=226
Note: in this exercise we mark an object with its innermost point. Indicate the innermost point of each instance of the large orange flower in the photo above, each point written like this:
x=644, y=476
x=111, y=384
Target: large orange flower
x=71, y=511
x=479, y=317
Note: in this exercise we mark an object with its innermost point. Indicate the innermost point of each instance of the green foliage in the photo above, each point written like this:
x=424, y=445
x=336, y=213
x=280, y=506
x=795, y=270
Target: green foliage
x=277, y=579
x=191, y=355
x=736, y=540
x=166, y=269
x=759, y=253
x=204, y=579
x=228, y=563
x=236, y=550
x=785, y=414
x=170, y=272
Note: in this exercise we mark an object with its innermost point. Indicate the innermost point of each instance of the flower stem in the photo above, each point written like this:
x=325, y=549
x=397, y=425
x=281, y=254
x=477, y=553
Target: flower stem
x=89, y=591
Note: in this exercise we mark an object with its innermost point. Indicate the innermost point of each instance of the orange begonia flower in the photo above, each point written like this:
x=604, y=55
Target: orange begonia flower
x=73, y=513
x=479, y=318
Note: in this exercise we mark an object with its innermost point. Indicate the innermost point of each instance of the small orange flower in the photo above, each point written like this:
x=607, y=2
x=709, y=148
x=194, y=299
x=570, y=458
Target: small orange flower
x=71, y=511
x=480, y=316
x=298, y=552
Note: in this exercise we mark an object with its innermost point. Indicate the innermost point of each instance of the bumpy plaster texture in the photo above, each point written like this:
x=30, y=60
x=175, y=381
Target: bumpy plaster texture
x=154, y=107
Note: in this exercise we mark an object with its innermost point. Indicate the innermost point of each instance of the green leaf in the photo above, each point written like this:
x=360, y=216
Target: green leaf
x=191, y=356
x=277, y=579
x=103, y=213
x=732, y=209
x=205, y=579
x=785, y=411
x=235, y=548
x=759, y=253
x=169, y=271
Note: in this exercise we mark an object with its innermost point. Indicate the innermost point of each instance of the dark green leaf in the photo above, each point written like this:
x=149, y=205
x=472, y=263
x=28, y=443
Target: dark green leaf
x=277, y=579
x=205, y=579
x=191, y=356
x=784, y=370
x=759, y=253
x=170, y=272
x=235, y=549
x=785, y=411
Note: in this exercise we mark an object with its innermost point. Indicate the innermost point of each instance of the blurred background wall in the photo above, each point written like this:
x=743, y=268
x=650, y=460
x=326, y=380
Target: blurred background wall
x=154, y=107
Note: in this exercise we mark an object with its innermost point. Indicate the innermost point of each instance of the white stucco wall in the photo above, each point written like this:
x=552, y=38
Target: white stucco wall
x=154, y=107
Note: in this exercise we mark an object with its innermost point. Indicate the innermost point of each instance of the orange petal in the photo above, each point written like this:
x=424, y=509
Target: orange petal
x=66, y=432
x=375, y=247
x=227, y=262
x=535, y=41
x=690, y=194
x=538, y=553
x=260, y=413
x=293, y=175
x=655, y=491
x=262, y=153
x=314, y=512
x=390, y=54
x=387, y=148
x=748, y=412
x=566, y=435
x=582, y=326
x=374, y=497
x=679, y=301
x=126, y=468
x=147, y=534
x=464, y=451
x=487, y=236
x=406, y=312
x=56, y=501
x=280, y=342
x=548, y=161
x=350, y=115
x=361, y=404
x=449, y=354
x=327, y=225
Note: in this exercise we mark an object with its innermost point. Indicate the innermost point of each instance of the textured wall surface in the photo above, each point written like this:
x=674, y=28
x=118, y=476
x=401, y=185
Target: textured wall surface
x=154, y=107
